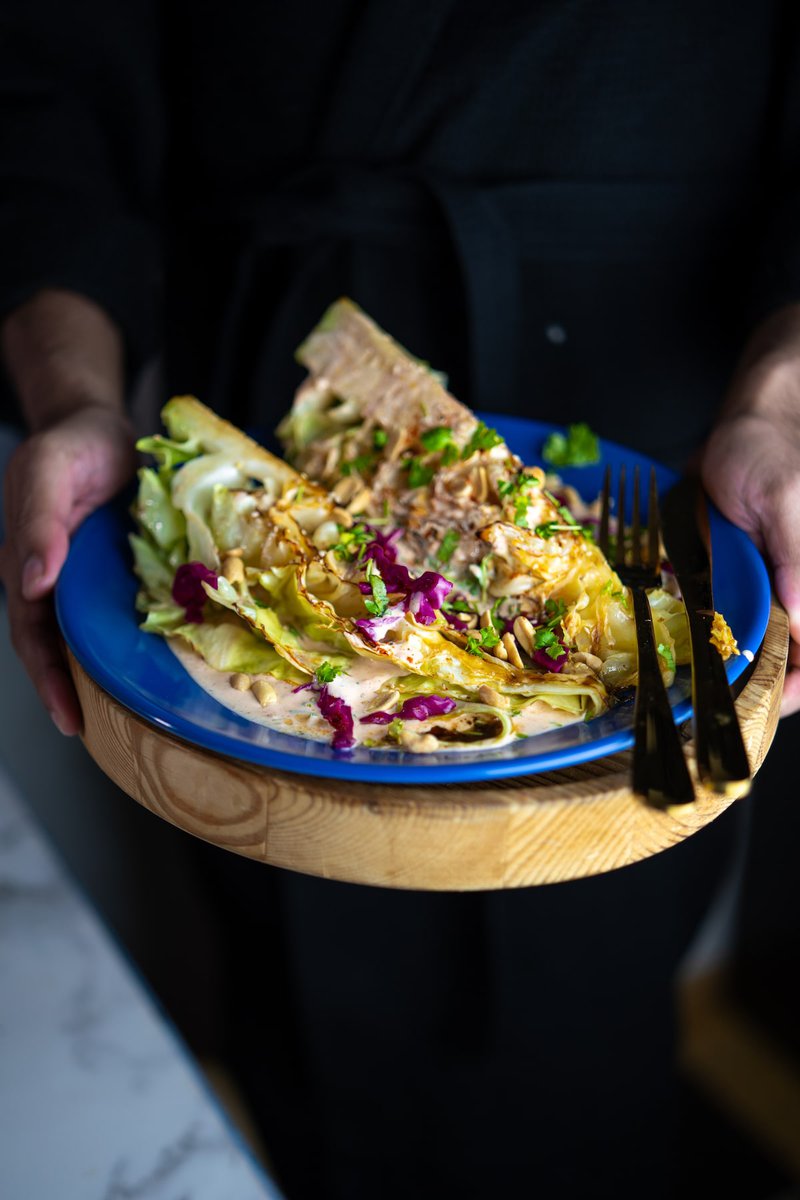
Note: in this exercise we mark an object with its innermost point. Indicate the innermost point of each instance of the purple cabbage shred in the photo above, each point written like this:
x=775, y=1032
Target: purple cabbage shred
x=422, y=596
x=418, y=708
x=339, y=716
x=187, y=589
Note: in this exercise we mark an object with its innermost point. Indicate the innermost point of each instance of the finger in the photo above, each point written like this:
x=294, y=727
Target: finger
x=33, y=635
x=790, y=702
x=780, y=529
x=39, y=509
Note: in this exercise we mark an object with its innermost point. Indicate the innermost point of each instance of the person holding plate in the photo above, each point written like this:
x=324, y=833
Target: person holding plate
x=582, y=215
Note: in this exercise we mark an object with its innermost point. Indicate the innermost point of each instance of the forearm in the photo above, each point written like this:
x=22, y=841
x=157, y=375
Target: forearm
x=62, y=353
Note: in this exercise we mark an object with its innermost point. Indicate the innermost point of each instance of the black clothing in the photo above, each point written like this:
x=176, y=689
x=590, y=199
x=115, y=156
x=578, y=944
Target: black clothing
x=474, y=175
x=575, y=208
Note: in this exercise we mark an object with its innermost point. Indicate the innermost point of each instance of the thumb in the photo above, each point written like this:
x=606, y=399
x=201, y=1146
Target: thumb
x=780, y=530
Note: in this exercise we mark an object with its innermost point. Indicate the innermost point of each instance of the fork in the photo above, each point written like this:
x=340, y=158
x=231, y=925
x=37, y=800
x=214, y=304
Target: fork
x=660, y=773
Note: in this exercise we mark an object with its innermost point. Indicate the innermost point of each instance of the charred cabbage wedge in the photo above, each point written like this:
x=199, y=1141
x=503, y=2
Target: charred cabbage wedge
x=406, y=544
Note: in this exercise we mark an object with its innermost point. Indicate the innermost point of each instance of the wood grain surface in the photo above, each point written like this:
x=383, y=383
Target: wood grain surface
x=510, y=833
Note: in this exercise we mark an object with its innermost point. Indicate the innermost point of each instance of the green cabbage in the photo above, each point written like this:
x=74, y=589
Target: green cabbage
x=156, y=511
x=229, y=646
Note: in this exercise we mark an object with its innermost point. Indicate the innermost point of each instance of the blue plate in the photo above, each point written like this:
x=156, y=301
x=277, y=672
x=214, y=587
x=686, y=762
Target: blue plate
x=95, y=607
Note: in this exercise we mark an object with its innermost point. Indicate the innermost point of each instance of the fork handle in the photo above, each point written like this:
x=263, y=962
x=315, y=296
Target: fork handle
x=660, y=773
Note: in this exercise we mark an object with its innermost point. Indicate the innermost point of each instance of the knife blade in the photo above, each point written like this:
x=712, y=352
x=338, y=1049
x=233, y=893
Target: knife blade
x=721, y=756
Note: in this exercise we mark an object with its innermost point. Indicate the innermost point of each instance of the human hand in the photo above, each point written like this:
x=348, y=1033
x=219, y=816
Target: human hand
x=751, y=466
x=54, y=480
x=64, y=357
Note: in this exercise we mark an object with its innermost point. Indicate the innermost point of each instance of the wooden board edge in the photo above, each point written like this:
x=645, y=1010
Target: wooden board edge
x=510, y=833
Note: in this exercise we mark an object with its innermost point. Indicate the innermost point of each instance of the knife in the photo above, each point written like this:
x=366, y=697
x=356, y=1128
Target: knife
x=721, y=757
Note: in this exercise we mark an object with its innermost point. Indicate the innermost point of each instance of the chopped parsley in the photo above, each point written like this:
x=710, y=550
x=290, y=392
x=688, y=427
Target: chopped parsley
x=495, y=617
x=450, y=454
x=461, y=606
x=667, y=655
x=326, y=672
x=516, y=491
x=481, y=571
x=447, y=546
x=556, y=611
x=418, y=474
x=437, y=439
x=577, y=448
x=549, y=528
x=362, y=463
x=483, y=438
x=608, y=590
x=482, y=639
x=379, y=602
x=379, y=438
x=546, y=639
x=352, y=542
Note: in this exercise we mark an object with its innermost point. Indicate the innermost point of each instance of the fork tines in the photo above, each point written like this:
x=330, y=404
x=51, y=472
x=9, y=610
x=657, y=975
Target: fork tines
x=660, y=773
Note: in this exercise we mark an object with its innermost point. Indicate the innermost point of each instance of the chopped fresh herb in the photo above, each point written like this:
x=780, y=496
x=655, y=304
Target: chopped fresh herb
x=516, y=491
x=547, y=529
x=483, y=639
x=379, y=438
x=544, y=637
x=437, y=439
x=494, y=614
x=447, y=546
x=326, y=672
x=450, y=454
x=577, y=448
x=457, y=606
x=379, y=603
x=555, y=609
x=483, y=438
x=481, y=571
x=667, y=655
x=352, y=542
x=608, y=590
x=521, y=513
x=361, y=463
x=418, y=474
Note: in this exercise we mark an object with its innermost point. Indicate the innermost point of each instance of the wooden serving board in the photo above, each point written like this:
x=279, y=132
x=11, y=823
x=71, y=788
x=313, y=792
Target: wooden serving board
x=510, y=833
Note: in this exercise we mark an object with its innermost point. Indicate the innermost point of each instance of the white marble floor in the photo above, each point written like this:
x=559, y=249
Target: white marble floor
x=99, y=1100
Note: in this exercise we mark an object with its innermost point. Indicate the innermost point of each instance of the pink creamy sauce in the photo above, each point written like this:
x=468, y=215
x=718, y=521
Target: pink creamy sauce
x=365, y=688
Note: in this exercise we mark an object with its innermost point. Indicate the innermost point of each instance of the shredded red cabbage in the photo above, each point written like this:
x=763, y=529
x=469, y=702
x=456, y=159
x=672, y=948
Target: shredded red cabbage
x=455, y=620
x=376, y=627
x=339, y=715
x=418, y=708
x=187, y=589
x=422, y=596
